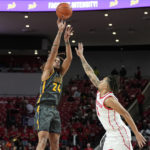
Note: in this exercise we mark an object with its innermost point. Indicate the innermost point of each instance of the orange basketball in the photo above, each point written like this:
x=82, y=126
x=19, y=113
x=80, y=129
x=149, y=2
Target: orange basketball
x=64, y=11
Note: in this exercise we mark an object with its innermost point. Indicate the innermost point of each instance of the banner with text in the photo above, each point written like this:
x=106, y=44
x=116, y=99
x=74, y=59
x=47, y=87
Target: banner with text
x=77, y=5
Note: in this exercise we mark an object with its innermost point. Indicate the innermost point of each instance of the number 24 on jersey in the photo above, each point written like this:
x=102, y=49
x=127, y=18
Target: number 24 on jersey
x=56, y=87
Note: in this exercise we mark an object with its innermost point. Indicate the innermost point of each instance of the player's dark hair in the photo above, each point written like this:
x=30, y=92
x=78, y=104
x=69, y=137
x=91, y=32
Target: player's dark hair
x=60, y=56
x=42, y=66
x=113, y=83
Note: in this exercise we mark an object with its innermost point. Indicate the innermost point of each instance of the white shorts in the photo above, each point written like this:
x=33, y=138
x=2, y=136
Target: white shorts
x=118, y=140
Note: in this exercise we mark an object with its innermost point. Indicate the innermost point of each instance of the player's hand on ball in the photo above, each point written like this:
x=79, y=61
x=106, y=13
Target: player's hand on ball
x=79, y=50
x=61, y=24
x=68, y=33
x=140, y=139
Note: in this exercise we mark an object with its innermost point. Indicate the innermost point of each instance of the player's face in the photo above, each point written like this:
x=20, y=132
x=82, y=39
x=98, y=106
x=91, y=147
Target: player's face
x=57, y=63
x=104, y=83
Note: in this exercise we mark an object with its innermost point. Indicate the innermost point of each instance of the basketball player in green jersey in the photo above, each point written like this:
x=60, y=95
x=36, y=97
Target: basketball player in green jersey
x=47, y=119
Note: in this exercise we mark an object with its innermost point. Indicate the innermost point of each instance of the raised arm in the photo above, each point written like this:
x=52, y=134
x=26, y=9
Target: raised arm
x=48, y=68
x=68, y=59
x=87, y=68
x=115, y=105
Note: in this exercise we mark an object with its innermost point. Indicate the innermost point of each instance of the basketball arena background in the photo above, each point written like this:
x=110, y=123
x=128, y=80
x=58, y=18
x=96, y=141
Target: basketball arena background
x=116, y=36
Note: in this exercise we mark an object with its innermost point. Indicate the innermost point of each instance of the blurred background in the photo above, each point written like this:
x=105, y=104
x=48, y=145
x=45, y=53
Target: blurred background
x=116, y=37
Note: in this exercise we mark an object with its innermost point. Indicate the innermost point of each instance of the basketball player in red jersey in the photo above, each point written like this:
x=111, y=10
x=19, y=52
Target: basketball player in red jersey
x=118, y=135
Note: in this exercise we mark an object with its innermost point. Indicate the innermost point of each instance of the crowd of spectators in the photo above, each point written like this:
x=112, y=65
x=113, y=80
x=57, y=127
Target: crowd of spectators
x=21, y=64
x=16, y=123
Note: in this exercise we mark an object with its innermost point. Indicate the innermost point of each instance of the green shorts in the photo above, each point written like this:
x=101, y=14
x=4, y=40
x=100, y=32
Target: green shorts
x=47, y=118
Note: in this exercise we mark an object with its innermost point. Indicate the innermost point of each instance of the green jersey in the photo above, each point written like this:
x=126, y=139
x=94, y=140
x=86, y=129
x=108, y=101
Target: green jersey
x=50, y=90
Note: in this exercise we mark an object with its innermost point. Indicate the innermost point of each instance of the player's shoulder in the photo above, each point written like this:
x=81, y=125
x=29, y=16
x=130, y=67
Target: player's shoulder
x=111, y=96
x=47, y=74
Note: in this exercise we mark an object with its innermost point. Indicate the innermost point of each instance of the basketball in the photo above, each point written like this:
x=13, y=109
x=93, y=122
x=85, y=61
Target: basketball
x=64, y=11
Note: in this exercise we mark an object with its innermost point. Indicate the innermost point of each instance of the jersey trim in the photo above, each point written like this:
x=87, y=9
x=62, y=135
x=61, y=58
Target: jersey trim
x=110, y=121
x=104, y=104
x=43, y=88
x=120, y=131
x=38, y=108
x=38, y=111
x=127, y=137
x=39, y=99
x=49, y=76
x=105, y=94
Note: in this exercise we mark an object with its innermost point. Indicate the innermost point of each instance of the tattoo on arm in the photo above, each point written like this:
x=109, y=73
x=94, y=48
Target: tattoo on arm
x=53, y=48
x=89, y=71
x=56, y=41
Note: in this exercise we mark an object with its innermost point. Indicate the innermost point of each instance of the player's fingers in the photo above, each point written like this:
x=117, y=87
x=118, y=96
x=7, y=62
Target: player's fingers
x=70, y=29
x=81, y=45
x=78, y=45
x=58, y=20
x=76, y=50
x=144, y=139
x=71, y=33
x=139, y=142
x=140, y=145
x=63, y=21
x=67, y=28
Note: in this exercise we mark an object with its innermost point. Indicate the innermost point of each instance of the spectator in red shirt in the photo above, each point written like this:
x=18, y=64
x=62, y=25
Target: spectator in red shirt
x=13, y=131
x=88, y=147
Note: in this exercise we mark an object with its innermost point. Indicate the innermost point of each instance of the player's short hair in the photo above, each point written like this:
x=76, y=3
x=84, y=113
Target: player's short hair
x=113, y=83
x=42, y=66
x=60, y=56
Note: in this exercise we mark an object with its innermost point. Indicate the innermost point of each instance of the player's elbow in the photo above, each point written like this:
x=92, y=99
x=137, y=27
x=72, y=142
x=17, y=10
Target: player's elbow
x=70, y=58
